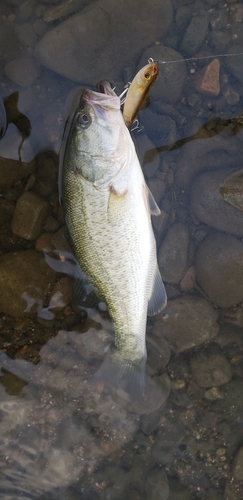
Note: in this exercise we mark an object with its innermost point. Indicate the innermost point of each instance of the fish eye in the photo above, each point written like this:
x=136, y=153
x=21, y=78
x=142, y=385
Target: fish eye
x=147, y=76
x=83, y=120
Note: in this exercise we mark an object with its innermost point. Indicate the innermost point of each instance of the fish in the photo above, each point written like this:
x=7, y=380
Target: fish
x=107, y=207
x=138, y=91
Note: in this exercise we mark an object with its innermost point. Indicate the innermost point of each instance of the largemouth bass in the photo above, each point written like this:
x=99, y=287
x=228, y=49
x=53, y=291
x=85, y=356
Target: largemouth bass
x=107, y=207
x=138, y=91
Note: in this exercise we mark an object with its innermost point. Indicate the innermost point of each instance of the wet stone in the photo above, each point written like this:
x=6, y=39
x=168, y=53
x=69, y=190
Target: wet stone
x=43, y=243
x=206, y=80
x=157, y=487
x=210, y=207
x=23, y=71
x=60, y=240
x=219, y=269
x=167, y=441
x=171, y=78
x=210, y=369
x=25, y=280
x=98, y=32
x=172, y=257
x=190, y=321
x=195, y=33
x=29, y=215
x=26, y=34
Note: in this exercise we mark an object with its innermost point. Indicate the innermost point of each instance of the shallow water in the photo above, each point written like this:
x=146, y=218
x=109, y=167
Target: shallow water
x=59, y=436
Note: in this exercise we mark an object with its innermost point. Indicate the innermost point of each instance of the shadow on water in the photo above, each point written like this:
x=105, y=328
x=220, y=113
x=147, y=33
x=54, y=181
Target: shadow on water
x=60, y=436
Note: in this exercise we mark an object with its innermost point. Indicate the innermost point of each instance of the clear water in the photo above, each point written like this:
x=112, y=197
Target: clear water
x=59, y=438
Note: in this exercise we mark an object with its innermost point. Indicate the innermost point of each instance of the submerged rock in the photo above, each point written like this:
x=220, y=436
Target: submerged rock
x=209, y=206
x=93, y=44
x=210, y=370
x=172, y=256
x=219, y=269
x=25, y=279
x=29, y=216
x=190, y=321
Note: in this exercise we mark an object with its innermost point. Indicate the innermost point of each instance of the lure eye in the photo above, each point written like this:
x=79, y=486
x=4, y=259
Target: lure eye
x=83, y=120
x=147, y=76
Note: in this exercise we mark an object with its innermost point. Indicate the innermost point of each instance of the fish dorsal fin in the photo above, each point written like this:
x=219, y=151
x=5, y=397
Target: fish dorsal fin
x=153, y=207
x=158, y=298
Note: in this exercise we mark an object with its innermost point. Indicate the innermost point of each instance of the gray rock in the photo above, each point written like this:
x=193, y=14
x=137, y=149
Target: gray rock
x=190, y=321
x=26, y=34
x=210, y=207
x=25, y=279
x=206, y=153
x=162, y=128
x=210, y=370
x=93, y=44
x=167, y=441
x=23, y=71
x=172, y=257
x=12, y=171
x=157, y=487
x=219, y=269
x=171, y=78
x=195, y=33
x=237, y=466
x=29, y=216
x=235, y=64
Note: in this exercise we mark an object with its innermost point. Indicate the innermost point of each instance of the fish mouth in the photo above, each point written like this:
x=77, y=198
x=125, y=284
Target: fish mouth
x=105, y=100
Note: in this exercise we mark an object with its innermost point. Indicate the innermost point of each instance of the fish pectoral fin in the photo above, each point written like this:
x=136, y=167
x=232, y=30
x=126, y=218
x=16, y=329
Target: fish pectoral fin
x=84, y=293
x=151, y=203
x=158, y=298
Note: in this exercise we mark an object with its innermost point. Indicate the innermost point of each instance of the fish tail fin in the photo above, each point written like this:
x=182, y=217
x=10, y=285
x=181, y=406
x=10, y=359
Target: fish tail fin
x=116, y=371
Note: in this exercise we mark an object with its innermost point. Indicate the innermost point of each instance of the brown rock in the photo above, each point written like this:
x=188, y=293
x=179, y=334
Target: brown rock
x=29, y=216
x=206, y=80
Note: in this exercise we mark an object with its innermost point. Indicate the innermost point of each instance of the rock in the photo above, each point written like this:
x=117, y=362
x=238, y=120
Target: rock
x=23, y=71
x=43, y=243
x=206, y=80
x=190, y=321
x=210, y=370
x=233, y=491
x=237, y=466
x=92, y=45
x=206, y=153
x=171, y=78
x=195, y=33
x=26, y=34
x=144, y=146
x=63, y=9
x=172, y=257
x=60, y=240
x=12, y=171
x=162, y=128
x=169, y=437
x=235, y=64
x=232, y=189
x=29, y=216
x=209, y=206
x=25, y=279
x=157, y=487
x=213, y=394
x=219, y=269
x=188, y=281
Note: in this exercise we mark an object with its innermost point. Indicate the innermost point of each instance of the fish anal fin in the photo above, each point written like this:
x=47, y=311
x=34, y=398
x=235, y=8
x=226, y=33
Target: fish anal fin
x=158, y=298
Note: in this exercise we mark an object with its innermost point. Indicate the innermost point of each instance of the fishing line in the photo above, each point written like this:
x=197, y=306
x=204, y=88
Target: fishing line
x=194, y=58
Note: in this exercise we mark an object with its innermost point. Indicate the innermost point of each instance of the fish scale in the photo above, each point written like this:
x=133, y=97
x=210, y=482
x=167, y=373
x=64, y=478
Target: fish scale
x=109, y=221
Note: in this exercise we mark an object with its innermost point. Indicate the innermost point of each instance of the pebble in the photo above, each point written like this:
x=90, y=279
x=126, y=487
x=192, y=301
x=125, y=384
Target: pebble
x=172, y=256
x=157, y=487
x=188, y=281
x=29, y=215
x=43, y=242
x=97, y=34
x=219, y=269
x=195, y=33
x=170, y=81
x=190, y=321
x=25, y=279
x=23, y=71
x=213, y=394
x=209, y=206
x=206, y=80
x=210, y=370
